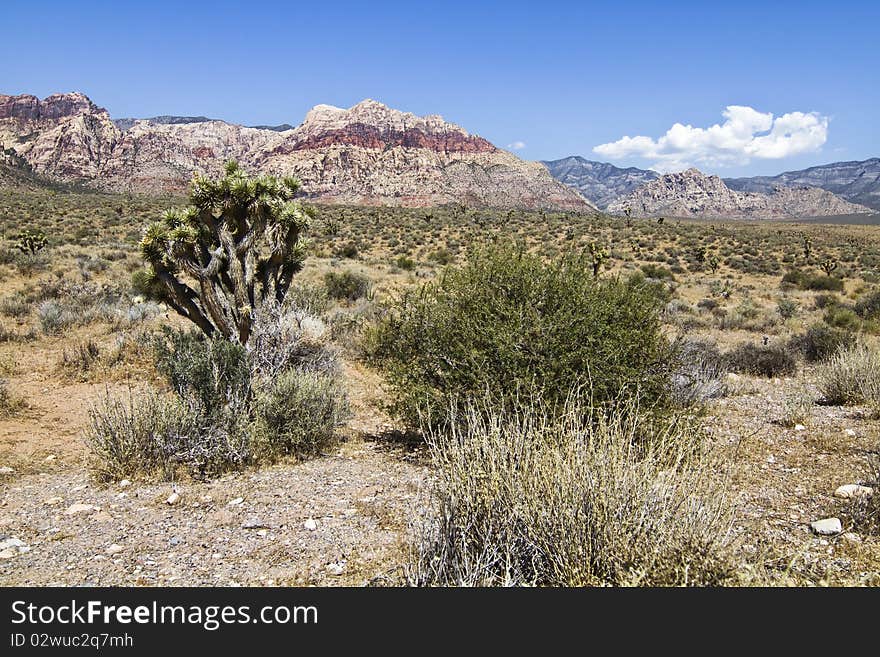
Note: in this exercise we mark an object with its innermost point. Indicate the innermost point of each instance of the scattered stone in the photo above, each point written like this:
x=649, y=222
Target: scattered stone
x=125, y=483
x=799, y=427
x=11, y=547
x=849, y=432
x=310, y=525
x=235, y=502
x=50, y=458
x=175, y=540
x=6, y=470
x=827, y=526
x=254, y=523
x=74, y=509
x=102, y=516
x=174, y=498
x=771, y=459
x=336, y=568
x=113, y=548
x=57, y=499
x=851, y=491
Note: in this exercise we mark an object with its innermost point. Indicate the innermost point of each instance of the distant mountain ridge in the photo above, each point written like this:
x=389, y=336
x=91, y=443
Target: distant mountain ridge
x=366, y=154
x=599, y=182
x=691, y=193
x=855, y=181
x=811, y=192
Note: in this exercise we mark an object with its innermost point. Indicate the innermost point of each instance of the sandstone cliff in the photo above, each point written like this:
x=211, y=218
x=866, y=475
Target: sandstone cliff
x=368, y=154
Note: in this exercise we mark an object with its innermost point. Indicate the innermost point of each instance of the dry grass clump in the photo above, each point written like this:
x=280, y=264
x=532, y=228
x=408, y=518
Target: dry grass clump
x=852, y=376
x=544, y=499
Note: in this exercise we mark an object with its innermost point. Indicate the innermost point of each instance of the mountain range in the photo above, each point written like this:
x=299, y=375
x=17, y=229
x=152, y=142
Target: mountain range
x=367, y=154
x=372, y=154
x=690, y=193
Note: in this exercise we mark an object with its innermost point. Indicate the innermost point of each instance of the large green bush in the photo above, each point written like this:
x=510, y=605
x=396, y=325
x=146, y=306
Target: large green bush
x=509, y=325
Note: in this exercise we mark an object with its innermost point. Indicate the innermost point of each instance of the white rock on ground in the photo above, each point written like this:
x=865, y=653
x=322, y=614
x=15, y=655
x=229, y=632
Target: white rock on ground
x=310, y=525
x=174, y=498
x=73, y=509
x=827, y=526
x=850, y=491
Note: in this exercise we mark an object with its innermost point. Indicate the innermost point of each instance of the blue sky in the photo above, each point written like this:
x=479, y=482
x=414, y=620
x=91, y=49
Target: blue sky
x=559, y=77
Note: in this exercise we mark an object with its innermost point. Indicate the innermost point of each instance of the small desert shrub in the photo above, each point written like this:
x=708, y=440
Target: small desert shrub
x=346, y=285
x=298, y=414
x=822, y=282
x=405, y=263
x=214, y=375
x=10, y=403
x=851, y=376
x=797, y=407
x=15, y=307
x=826, y=300
x=158, y=436
x=53, y=317
x=820, y=342
x=440, y=256
x=507, y=323
x=82, y=358
x=349, y=251
x=868, y=307
x=787, y=308
x=805, y=281
x=230, y=406
x=760, y=360
x=699, y=374
x=544, y=499
x=656, y=271
x=842, y=317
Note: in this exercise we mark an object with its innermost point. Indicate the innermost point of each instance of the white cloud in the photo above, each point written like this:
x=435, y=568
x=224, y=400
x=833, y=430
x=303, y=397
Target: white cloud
x=516, y=146
x=746, y=134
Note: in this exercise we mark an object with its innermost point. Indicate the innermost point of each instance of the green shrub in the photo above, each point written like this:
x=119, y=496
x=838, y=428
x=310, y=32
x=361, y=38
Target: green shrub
x=346, y=285
x=822, y=282
x=805, y=281
x=868, y=307
x=787, y=308
x=656, y=271
x=541, y=499
x=760, y=360
x=405, y=263
x=230, y=406
x=299, y=414
x=213, y=374
x=820, y=342
x=507, y=323
x=842, y=317
x=440, y=256
x=826, y=300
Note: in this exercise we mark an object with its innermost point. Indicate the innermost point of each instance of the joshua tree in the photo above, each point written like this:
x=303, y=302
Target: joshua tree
x=234, y=249
x=808, y=247
x=30, y=242
x=713, y=262
x=599, y=255
x=828, y=265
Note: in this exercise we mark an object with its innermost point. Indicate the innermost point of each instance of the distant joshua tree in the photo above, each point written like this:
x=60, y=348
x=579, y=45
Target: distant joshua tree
x=828, y=265
x=234, y=249
x=598, y=254
x=808, y=247
x=31, y=242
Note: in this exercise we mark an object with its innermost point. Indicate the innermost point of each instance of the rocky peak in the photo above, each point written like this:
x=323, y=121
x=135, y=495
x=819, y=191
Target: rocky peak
x=370, y=124
x=30, y=108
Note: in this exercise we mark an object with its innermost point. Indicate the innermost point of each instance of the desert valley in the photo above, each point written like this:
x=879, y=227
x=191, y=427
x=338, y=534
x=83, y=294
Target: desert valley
x=688, y=365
